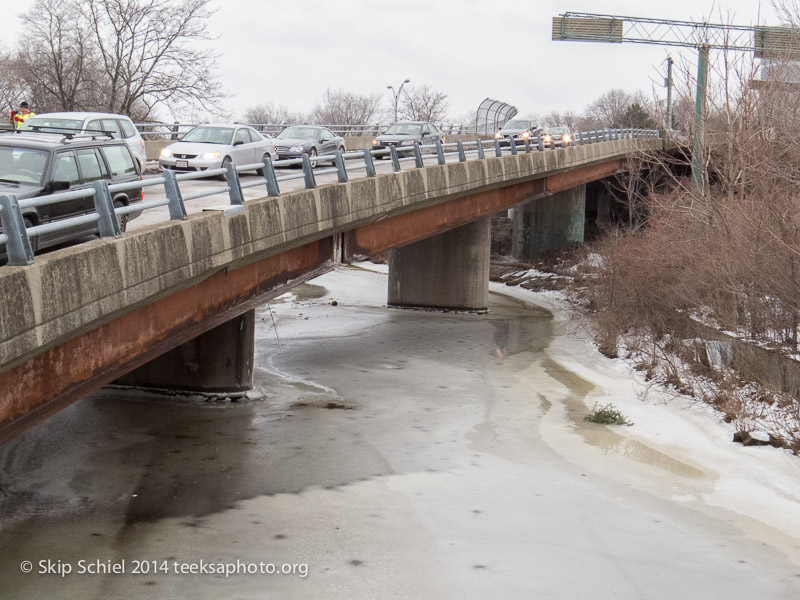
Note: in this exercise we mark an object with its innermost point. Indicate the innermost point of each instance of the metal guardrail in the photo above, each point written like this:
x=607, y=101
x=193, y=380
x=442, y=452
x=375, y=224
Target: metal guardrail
x=171, y=131
x=16, y=236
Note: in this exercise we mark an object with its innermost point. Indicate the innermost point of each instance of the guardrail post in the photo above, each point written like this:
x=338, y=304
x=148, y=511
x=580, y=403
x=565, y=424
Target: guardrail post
x=395, y=159
x=439, y=152
x=18, y=247
x=271, y=178
x=235, y=188
x=369, y=163
x=527, y=145
x=481, y=153
x=308, y=172
x=107, y=226
x=177, y=209
x=513, y=145
x=341, y=172
x=462, y=157
x=418, y=156
x=498, y=151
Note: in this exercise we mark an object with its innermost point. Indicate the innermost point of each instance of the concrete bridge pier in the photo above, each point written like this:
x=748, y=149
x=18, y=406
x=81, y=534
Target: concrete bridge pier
x=447, y=271
x=219, y=361
x=549, y=223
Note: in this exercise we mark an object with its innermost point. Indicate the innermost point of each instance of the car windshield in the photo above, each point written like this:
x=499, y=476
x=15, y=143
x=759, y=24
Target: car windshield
x=299, y=133
x=210, y=135
x=53, y=125
x=404, y=129
x=22, y=165
x=557, y=130
x=518, y=124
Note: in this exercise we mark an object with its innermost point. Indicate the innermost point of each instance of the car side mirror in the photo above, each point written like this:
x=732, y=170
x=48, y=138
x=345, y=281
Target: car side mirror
x=59, y=185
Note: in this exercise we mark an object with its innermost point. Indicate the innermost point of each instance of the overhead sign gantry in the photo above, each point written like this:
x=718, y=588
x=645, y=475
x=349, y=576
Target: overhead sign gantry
x=780, y=43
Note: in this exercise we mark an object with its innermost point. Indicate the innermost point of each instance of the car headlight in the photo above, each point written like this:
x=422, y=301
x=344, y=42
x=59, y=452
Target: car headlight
x=209, y=155
x=526, y=135
x=375, y=142
x=548, y=138
x=498, y=135
x=296, y=149
x=567, y=138
x=166, y=153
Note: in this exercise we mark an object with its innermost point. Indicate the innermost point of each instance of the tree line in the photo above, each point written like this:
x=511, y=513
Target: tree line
x=140, y=57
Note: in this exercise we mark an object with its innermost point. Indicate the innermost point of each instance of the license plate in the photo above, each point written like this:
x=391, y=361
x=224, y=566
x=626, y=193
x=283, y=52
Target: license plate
x=182, y=164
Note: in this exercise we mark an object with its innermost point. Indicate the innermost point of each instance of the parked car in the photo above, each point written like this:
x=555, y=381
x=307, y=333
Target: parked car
x=404, y=134
x=557, y=136
x=517, y=128
x=118, y=126
x=215, y=146
x=34, y=163
x=296, y=140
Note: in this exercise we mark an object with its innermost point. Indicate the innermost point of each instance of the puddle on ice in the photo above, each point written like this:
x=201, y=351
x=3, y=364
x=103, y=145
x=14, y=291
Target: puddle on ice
x=309, y=291
x=603, y=436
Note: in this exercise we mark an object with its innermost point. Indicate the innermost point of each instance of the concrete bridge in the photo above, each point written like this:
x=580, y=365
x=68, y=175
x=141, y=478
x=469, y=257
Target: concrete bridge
x=171, y=306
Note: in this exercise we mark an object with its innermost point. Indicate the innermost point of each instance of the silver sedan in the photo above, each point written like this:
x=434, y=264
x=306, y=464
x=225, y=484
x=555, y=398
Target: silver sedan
x=214, y=146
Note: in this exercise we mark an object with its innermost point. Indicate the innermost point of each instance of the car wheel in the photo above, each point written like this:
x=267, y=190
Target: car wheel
x=35, y=239
x=121, y=219
x=260, y=172
x=225, y=163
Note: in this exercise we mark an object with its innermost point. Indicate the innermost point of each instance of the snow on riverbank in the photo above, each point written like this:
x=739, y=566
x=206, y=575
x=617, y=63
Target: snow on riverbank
x=759, y=483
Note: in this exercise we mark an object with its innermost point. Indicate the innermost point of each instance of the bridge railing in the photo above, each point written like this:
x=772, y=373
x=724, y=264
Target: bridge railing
x=16, y=236
x=172, y=131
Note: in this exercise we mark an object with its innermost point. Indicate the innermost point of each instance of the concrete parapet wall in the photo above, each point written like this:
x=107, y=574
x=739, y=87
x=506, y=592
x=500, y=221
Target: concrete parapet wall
x=72, y=291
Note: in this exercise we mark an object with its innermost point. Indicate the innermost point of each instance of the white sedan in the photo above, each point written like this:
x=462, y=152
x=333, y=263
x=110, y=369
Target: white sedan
x=214, y=146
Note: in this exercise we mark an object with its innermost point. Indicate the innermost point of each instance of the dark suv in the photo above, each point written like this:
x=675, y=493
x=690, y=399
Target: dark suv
x=36, y=164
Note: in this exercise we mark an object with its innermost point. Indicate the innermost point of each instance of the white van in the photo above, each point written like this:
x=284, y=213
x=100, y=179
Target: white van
x=118, y=126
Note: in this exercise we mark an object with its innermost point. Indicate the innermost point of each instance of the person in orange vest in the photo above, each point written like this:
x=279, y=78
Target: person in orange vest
x=18, y=118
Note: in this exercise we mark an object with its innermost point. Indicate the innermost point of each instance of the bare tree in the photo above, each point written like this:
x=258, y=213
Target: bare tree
x=269, y=113
x=13, y=88
x=125, y=56
x=423, y=103
x=609, y=108
x=59, y=56
x=147, y=52
x=340, y=107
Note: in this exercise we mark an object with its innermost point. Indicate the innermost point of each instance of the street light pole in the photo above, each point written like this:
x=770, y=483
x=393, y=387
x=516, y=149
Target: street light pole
x=397, y=96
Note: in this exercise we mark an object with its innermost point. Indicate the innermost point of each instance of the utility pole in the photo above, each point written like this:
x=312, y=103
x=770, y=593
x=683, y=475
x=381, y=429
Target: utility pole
x=668, y=83
x=699, y=143
x=765, y=42
x=397, y=96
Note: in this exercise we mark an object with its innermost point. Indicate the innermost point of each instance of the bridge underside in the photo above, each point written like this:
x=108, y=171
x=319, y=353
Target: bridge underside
x=49, y=381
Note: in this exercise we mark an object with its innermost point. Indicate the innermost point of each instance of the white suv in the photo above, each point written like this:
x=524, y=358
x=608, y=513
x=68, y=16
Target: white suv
x=118, y=126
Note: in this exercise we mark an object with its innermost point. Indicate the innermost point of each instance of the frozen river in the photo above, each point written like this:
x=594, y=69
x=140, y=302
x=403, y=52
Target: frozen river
x=399, y=454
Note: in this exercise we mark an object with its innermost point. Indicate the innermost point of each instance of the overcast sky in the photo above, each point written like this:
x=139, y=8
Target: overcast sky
x=289, y=52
